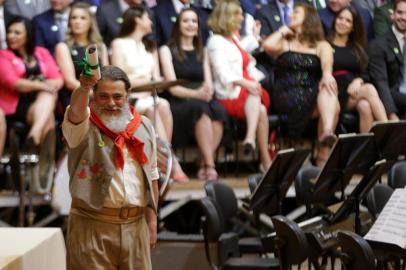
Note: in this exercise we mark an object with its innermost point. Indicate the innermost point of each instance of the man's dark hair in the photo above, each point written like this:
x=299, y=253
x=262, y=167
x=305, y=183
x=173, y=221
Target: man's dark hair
x=112, y=73
x=396, y=3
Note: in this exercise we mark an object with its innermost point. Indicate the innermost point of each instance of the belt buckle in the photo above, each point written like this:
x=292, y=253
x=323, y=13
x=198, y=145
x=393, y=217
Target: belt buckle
x=124, y=212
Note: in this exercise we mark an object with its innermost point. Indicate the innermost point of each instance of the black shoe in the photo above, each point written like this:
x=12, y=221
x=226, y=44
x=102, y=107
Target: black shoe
x=249, y=148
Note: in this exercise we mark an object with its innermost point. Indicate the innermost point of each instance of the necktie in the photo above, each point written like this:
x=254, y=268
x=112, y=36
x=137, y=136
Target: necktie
x=285, y=15
x=402, y=88
x=317, y=4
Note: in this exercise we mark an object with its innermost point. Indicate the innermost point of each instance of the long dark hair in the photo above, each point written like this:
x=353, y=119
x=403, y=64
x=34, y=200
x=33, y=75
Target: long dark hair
x=357, y=37
x=30, y=42
x=129, y=25
x=312, y=29
x=175, y=41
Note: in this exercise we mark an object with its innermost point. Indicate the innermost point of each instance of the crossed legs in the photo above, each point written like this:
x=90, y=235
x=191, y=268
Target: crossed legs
x=257, y=128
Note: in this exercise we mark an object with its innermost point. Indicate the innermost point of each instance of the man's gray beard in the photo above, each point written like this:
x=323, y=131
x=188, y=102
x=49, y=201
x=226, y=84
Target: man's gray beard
x=116, y=123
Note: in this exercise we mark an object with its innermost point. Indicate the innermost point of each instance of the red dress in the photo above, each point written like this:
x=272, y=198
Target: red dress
x=235, y=107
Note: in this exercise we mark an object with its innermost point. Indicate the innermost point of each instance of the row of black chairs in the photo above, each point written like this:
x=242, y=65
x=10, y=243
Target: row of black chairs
x=291, y=245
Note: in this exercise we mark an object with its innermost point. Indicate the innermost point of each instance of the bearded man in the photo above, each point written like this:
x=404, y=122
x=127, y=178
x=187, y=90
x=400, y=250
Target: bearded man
x=113, y=172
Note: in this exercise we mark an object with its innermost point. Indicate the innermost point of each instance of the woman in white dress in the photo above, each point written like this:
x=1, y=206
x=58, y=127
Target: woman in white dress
x=134, y=53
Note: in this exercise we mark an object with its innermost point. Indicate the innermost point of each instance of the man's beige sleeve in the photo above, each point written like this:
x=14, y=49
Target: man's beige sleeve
x=74, y=133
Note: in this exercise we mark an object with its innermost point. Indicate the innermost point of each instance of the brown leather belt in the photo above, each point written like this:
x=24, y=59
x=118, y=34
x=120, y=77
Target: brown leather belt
x=123, y=212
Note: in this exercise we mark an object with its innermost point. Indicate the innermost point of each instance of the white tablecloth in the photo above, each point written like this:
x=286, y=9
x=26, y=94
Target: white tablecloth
x=32, y=249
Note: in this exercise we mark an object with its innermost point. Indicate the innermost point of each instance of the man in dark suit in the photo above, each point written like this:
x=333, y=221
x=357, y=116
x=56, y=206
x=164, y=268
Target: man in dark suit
x=165, y=14
x=50, y=26
x=109, y=17
x=382, y=18
x=386, y=64
x=328, y=14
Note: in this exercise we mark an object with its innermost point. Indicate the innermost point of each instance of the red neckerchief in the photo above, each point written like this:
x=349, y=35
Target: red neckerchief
x=134, y=145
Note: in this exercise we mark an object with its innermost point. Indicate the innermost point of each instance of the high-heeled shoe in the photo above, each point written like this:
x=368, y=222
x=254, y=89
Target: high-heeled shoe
x=249, y=148
x=328, y=138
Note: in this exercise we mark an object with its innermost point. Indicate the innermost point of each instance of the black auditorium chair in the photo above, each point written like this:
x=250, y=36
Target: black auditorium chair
x=397, y=175
x=290, y=242
x=356, y=253
x=227, y=202
x=348, y=123
x=377, y=198
x=303, y=186
x=227, y=244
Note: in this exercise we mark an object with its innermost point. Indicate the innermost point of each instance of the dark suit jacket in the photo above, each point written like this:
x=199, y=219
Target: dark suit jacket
x=109, y=19
x=327, y=17
x=385, y=68
x=46, y=32
x=382, y=21
x=165, y=17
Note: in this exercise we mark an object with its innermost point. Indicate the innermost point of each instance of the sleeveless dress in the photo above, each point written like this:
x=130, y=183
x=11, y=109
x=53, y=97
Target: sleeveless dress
x=77, y=53
x=294, y=96
x=26, y=99
x=345, y=69
x=186, y=112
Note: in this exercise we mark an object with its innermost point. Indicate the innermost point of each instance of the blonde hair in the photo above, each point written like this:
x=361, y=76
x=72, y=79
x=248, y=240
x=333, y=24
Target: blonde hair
x=93, y=35
x=223, y=18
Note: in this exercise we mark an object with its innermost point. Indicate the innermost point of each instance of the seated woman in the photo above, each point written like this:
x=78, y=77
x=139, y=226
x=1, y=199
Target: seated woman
x=194, y=111
x=348, y=40
x=235, y=87
x=82, y=31
x=303, y=59
x=134, y=53
x=29, y=81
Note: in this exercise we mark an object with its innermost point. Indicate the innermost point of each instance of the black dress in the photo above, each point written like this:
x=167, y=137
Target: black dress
x=186, y=112
x=294, y=95
x=345, y=69
x=26, y=99
x=77, y=53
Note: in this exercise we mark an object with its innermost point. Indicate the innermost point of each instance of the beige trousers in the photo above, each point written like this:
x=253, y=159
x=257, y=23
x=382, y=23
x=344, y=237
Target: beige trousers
x=99, y=245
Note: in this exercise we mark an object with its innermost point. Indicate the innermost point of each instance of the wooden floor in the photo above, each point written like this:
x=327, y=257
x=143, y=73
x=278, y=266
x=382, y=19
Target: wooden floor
x=195, y=188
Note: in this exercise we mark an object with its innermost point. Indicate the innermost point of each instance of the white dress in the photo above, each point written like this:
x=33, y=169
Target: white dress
x=138, y=63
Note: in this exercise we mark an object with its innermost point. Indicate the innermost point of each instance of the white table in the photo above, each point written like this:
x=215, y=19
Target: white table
x=32, y=248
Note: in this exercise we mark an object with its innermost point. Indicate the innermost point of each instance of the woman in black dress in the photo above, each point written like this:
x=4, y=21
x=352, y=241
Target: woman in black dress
x=82, y=31
x=348, y=40
x=195, y=112
x=304, y=85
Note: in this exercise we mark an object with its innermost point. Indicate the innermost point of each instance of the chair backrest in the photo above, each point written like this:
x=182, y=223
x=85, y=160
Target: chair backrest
x=357, y=254
x=253, y=181
x=213, y=222
x=303, y=184
x=377, y=198
x=291, y=242
x=397, y=175
x=225, y=198
x=213, y=228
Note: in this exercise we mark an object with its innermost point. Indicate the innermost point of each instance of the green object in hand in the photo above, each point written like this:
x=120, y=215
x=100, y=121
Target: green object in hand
x=86, y=67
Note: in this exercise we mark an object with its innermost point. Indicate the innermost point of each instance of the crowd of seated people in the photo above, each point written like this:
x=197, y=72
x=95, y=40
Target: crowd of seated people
x=319, y=59
x=196, y=113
